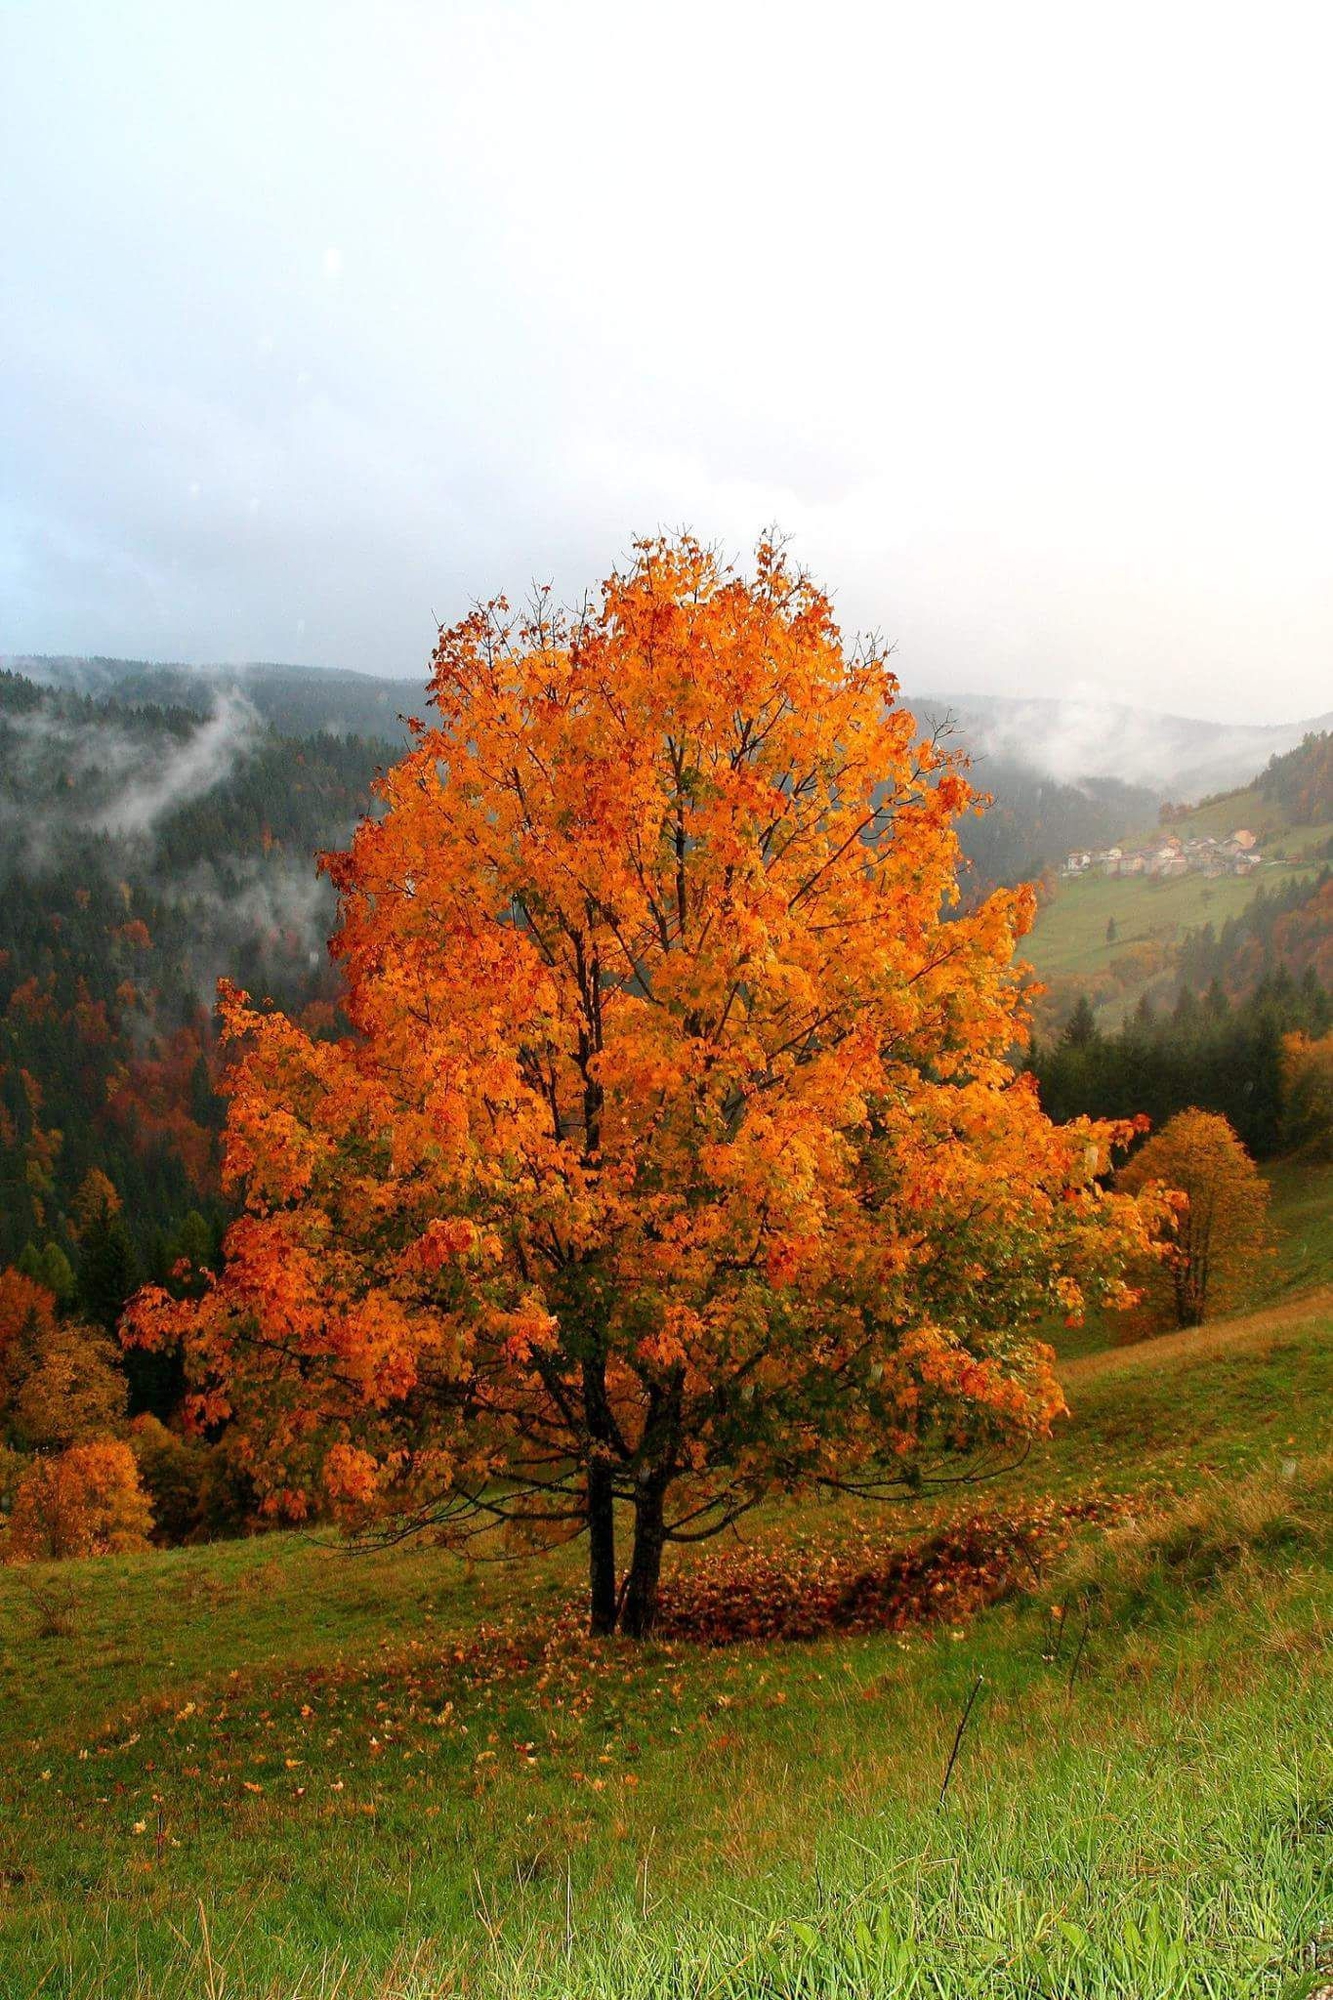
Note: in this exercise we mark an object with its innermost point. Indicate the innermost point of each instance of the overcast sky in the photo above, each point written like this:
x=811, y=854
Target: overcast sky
x=319, y=321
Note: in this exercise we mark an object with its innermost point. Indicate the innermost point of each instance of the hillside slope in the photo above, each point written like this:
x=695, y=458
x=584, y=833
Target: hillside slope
x=298, y=701
x=1061, y=743
x=258, y=1768
x=1119, y=937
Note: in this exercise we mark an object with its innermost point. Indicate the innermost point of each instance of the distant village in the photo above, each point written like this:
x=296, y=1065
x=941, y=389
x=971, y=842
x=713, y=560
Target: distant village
x=1168, y=854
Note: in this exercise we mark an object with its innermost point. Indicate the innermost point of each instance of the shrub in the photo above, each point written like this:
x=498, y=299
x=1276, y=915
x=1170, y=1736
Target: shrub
x=86, y=1501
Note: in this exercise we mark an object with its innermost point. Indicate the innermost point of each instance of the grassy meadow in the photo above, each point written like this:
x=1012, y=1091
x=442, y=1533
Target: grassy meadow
x=1069, y=935
x=268, y=1768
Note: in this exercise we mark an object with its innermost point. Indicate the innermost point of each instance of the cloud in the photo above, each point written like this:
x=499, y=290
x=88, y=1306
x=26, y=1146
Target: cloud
x=69, y=773
x=276, y=904
x=1083, y=738
x=1038, y=400
x=203, y=760
x=88, y=788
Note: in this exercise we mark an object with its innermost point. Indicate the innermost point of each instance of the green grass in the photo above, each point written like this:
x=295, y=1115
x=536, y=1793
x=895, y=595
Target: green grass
x=270, y=1769
x=1302, y=1212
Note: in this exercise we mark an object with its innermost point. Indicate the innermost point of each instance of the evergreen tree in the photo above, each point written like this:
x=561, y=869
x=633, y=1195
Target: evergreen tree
x=1081, y=1027
x=108, y=1269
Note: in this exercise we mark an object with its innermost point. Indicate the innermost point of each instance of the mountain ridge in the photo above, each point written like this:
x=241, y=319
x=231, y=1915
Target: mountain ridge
x=1068, y=740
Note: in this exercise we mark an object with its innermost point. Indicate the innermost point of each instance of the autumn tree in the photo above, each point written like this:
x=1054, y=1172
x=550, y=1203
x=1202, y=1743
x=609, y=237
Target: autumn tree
x=96, y=1201
x=1209, y=1261
x=675, y=1157
x=85, y=1501
x=67, y=1387
x=61, y=1381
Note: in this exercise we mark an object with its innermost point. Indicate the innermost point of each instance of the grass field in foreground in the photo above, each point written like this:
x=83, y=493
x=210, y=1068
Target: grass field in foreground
x=265, y=1768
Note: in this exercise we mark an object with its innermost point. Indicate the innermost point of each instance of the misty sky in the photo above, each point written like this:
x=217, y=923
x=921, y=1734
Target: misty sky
x=319, y=321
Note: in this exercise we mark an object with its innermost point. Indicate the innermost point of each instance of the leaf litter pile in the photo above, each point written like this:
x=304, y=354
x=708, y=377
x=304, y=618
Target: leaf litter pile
x=804, y=1590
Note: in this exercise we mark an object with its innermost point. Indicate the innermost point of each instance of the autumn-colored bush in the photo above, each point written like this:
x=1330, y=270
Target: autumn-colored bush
x=1215, y=1254
x=86, y=1501
x=172, y=1471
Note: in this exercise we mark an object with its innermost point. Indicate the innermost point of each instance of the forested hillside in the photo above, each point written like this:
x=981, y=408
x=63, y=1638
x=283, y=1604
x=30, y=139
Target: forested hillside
x=1035, y=817
x=144, y=851
x=1034, y=820
x=298, y=701
x=1201, y=1051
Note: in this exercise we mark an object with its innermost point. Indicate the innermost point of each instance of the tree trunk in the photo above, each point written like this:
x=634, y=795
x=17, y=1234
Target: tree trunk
x=601, y=1550
x=640, y=1607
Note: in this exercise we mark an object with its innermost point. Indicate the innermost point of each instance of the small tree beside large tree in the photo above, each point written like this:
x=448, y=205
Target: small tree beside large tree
x=675, y=1156
x=1215, y=1254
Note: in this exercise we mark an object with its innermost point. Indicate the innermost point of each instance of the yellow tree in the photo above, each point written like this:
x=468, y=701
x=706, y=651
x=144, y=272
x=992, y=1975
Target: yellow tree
x=676, y=1156
x=1211, y=1258
x=95, y=1201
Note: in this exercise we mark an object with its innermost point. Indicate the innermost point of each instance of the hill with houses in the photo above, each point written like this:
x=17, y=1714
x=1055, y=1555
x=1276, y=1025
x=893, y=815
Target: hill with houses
x=1239, y=885
x=1168, y=854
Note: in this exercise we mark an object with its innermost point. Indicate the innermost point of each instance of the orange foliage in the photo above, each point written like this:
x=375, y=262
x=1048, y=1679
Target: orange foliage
x=1213, y=1256
x=85, y=1502
x=27, y=1317
x=66, y=1386
x=149, y=1098
x=90, y=1021
x=33, y=1000
x=96, y=1199
x=676, y=1154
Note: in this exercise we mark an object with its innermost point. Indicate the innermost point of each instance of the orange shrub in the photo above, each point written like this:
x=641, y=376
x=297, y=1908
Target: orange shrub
x=85, y=1502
